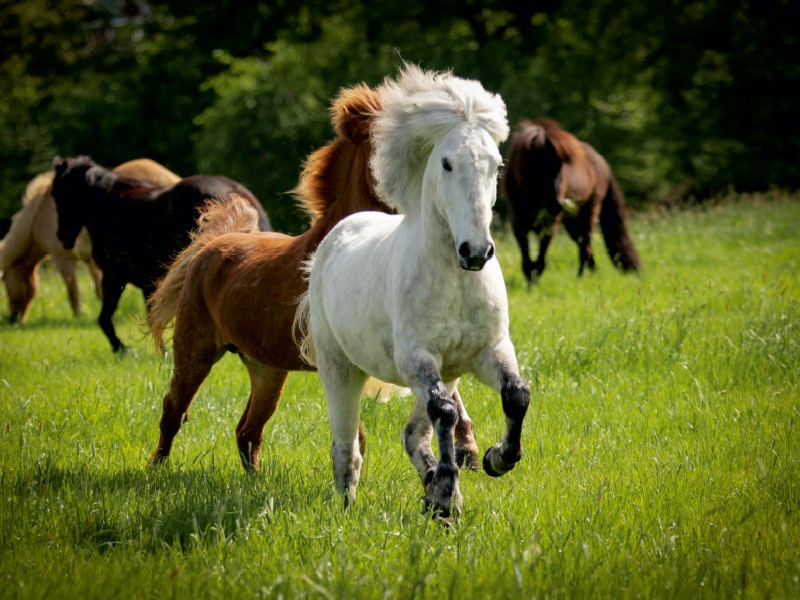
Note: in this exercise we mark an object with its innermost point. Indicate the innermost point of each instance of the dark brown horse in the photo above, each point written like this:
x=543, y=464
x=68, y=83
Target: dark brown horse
x=553, y=177
x=136, y=228
x=235, y=291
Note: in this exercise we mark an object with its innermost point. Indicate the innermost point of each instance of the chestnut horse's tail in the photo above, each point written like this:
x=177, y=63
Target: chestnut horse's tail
x=615, y=231
x=236, y=215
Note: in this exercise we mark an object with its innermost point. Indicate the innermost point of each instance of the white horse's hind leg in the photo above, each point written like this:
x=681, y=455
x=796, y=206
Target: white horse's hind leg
x=417, y=436
x=343, y=383
x=497, y=367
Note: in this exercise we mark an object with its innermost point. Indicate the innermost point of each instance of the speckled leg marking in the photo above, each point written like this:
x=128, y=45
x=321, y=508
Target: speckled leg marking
x=497, y=367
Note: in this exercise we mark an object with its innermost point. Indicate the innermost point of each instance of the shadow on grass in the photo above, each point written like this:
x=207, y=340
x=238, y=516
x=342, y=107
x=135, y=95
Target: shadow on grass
x=175, y=507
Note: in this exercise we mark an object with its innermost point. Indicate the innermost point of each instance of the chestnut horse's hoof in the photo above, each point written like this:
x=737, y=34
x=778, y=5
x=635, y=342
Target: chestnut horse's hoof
x=496, y=465
x=467, y=458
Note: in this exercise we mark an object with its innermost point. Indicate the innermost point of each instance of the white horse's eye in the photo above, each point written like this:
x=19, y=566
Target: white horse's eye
x=446, y=164
x=500, y=171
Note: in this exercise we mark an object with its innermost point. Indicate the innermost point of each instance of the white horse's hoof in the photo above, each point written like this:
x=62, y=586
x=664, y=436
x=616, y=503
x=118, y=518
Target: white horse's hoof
x=496, y=465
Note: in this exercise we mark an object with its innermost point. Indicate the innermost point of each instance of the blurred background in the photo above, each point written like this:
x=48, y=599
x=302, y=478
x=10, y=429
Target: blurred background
x=686, y=99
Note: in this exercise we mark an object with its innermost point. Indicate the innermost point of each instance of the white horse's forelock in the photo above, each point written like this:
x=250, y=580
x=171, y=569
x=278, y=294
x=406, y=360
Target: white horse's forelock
x=419, y=108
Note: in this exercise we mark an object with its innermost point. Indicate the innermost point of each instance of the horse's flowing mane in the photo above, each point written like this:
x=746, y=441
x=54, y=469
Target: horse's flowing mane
x=419, y=108
x=535, y=134
x=18, y=237
x=323, y=178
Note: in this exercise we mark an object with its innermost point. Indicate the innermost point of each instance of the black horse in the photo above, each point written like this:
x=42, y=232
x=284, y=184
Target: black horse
x=552, y=177
x=136, y=228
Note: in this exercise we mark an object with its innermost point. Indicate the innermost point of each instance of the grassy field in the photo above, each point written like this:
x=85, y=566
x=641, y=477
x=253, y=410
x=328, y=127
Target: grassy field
x=661, y=449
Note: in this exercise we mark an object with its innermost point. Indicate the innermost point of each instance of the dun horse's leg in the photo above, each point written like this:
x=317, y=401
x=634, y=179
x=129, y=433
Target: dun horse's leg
x=497, y=367
x=97, y=277
x=65, y=263
x=195, y=353
x=22, y=282
x=112, y=290
x=580, y=230
x=466, y=446
x=442, y=494
x=266, y=385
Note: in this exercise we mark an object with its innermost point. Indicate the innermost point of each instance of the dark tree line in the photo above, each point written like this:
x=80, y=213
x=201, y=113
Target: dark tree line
x=684, y=97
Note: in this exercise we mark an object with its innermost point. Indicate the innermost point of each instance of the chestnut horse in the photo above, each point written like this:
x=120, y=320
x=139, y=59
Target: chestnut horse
x=236, y=291
x=553, y=177
x=136, y=228
x=33, y=236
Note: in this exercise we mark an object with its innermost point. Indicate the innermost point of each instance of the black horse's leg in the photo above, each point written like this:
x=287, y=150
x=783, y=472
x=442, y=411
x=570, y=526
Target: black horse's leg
x=580, y=230
x=112, y=290
x=497, y=367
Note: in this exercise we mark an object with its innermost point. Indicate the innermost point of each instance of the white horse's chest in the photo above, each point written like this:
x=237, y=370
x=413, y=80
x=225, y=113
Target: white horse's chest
x=456, y=325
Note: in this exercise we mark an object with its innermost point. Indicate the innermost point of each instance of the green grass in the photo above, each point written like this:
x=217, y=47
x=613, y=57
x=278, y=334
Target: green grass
x=661, y=448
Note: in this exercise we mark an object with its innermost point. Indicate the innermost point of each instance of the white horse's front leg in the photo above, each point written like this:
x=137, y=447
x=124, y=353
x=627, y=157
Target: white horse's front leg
x=497, y=368
x=343, y=383
x=442, y=493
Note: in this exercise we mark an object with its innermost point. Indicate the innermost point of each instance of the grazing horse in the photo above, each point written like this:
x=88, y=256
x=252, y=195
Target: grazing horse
x=417, y=299
x=33, y=235
x=234, y=291
x=553, y=177
x=136, y=228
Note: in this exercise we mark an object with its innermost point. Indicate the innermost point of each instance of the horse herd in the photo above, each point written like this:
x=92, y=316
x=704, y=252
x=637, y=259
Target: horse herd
x=394, y=279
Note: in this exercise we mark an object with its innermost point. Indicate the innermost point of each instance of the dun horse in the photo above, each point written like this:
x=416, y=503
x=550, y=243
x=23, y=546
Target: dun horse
x=33, y=235
x=228, y=275
x=417, y=299
x=136, y=228
x=553, y=177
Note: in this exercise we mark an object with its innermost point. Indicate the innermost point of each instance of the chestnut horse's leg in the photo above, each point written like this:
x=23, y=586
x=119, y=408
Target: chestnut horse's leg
x=466, y=446
x=65, y=263
x=266, y=385
x=497, y=367
x=195, y=354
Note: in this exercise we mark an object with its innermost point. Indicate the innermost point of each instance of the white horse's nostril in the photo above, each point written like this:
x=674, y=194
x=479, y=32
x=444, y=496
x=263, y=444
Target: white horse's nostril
x=490, y=252
x=464, y=250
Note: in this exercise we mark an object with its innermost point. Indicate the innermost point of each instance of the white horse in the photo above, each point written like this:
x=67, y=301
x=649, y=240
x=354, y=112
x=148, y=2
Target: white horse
x=417, y=298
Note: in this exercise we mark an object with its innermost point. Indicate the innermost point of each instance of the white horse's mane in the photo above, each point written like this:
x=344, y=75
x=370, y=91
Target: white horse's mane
x=419, y=108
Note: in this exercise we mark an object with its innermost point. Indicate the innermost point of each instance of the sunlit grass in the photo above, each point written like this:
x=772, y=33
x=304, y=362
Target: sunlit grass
x=661, y=455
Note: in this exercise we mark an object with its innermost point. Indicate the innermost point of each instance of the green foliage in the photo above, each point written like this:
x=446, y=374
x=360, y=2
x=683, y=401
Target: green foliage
x=684, y=98
x=661, y=453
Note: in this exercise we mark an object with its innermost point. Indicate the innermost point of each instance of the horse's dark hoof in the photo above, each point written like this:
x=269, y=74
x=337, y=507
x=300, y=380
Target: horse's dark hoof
x=496, y=465
x=467, y=458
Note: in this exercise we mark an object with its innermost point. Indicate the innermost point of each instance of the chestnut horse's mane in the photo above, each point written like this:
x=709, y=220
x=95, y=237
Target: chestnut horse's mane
x=322, y=178
x=534, y=134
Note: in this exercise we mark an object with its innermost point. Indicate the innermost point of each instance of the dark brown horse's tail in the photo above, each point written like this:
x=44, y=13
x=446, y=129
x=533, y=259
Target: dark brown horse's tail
x=236, y=215
x=615, y=231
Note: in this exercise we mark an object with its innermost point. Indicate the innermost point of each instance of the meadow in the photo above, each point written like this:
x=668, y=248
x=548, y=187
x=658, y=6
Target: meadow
x=662, y=457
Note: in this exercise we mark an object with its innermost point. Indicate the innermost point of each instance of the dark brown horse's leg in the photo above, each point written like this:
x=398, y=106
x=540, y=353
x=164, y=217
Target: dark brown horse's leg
x=112, y=290
x=195, y=354
x=580, y=230
x=466, y=446
x=544, y=243
x=266, y=385
x=521, y=230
